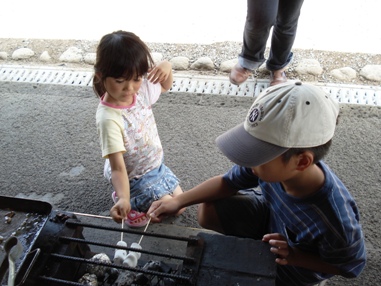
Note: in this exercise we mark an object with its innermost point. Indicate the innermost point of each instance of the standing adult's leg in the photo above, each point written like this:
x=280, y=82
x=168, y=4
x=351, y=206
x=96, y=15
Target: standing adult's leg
x=261, y=16
x=284, y=34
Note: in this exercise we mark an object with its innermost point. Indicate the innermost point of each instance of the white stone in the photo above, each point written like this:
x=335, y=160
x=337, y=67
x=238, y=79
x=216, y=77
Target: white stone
x=371, y=72
x=156, y=57
x=72, y=55
x=309, y=66
x=203, y=63
x=3, y=55
x=22, y=53
x=345, y=73
x=227, y=66
x=90, y=58
x=45, y=57
x=180, y=63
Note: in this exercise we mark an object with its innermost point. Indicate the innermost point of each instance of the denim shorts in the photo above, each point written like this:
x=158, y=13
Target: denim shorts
x=151, y=187
x=245, y=214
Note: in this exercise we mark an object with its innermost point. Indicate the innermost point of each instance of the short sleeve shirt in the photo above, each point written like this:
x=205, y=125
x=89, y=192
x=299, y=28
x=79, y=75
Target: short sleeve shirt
x=325, y=223
x=132, y=130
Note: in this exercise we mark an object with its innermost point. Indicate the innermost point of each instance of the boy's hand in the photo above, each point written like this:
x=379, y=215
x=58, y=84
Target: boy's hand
x=280, y=247
x=120, y=210
x=162, y=209
x=160, y=72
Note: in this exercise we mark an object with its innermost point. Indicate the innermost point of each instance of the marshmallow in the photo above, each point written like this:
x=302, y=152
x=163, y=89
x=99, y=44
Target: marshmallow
x=120, y=254
x=132, y=258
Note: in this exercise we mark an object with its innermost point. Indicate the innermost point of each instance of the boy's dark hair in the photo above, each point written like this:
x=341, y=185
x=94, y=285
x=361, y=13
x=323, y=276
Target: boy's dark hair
x=120, y=54
x=318, y=151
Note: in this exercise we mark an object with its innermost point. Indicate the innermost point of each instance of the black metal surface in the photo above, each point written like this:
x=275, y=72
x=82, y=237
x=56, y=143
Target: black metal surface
x=49, y=242
x=27, y=221
x=231, y=260
x=61, y=255
x=64, y=255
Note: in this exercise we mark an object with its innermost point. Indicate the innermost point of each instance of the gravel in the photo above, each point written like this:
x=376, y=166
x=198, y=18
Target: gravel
x=218, y=52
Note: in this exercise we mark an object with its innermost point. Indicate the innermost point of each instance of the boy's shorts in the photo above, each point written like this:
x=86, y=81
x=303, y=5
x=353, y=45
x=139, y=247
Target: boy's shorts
x=245, y=214
x=151, y=187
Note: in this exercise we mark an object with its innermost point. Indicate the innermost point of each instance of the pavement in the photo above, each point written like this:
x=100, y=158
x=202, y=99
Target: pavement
x=50, y=151
x=49, y=145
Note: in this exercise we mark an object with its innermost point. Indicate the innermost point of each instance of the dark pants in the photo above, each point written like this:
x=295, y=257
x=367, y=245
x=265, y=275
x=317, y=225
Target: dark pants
x=283, y=15
x=245, y=214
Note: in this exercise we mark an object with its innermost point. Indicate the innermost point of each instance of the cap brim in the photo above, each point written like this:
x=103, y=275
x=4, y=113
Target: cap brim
x=245, y=150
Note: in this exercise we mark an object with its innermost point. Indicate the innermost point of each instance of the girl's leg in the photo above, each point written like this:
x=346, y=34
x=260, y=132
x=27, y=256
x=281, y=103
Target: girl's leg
x=175, y=193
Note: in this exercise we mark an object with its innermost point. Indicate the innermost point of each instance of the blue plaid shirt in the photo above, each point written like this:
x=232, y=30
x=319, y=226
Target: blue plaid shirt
x=325, y=223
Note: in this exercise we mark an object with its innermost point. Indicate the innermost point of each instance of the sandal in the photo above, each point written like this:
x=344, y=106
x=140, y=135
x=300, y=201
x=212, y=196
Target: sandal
x=136, y=219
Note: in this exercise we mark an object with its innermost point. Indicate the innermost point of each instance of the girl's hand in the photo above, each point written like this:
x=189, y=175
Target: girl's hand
x=120, y=210
x=161, y=73
x=279, y=247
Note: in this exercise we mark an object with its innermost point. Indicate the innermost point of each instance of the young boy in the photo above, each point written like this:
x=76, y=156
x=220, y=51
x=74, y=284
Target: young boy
x=280, y=191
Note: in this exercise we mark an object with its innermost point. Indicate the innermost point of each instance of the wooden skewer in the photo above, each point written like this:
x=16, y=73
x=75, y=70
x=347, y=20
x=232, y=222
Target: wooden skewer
x=121, y=233
x=108, y=217
x=92, y=215
x=144, y=230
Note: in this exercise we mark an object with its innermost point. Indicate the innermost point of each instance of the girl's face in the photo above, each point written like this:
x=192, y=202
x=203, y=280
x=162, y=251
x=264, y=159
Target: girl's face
x=121, y=91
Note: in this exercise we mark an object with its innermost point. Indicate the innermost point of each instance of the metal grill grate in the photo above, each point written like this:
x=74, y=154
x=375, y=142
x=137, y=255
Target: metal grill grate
x=353, y=94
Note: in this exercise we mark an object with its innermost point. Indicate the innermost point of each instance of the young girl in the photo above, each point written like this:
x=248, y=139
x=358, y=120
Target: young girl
x=128, y=83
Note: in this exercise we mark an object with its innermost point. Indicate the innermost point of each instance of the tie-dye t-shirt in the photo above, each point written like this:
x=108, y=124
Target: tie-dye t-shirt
x=131, y=130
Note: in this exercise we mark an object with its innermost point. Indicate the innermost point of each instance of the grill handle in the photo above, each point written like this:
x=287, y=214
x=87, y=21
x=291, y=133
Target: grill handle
x=36, y=252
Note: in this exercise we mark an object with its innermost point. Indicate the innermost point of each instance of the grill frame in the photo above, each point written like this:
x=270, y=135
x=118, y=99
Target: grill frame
x=202, y=257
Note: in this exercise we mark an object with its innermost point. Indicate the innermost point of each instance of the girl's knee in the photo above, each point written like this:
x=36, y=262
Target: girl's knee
x=177, y=191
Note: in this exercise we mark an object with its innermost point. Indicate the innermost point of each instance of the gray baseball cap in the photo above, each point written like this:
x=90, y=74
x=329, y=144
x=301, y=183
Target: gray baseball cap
x=291, y=115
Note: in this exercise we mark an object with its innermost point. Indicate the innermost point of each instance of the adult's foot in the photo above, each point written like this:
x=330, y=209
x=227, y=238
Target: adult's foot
x=277, y=77
x=239, y=74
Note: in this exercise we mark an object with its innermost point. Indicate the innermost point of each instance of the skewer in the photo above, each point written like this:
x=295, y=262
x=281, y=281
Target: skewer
x=132, y=258
x=120, y=254
x=92, y=215
x=144, y=230
x=121, y=233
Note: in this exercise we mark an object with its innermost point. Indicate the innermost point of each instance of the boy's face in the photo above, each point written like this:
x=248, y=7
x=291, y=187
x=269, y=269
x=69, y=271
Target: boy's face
x=275, y=170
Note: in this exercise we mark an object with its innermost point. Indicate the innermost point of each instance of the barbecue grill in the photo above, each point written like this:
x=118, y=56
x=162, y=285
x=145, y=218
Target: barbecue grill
x=59, y=248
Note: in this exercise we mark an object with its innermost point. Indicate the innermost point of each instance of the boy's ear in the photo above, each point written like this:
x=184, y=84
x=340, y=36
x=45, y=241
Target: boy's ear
x=304, y=160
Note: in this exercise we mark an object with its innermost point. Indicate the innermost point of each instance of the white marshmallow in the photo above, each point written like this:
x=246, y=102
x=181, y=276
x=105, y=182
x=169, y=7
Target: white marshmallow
x=130, y=260
x=133, y=257
x=120, y=254
x=137, y=246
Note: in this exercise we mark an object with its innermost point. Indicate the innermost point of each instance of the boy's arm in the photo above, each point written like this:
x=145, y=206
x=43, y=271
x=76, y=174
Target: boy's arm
x=162, y=73
x=210, y=190
x=121, y=185
x=293, y=256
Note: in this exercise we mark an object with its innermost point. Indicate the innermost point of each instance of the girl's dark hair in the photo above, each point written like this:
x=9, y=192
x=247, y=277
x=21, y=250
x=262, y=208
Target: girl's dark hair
x=319, y=152
x=120, y=54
